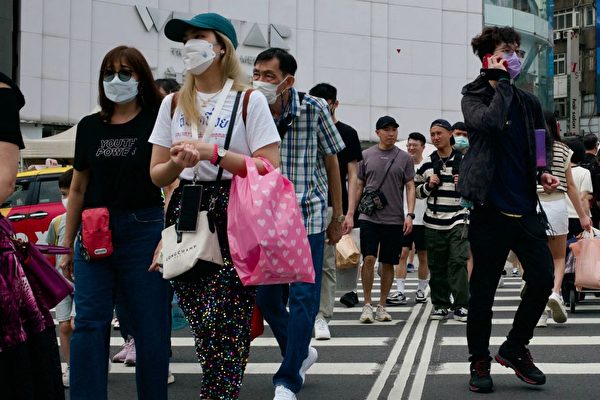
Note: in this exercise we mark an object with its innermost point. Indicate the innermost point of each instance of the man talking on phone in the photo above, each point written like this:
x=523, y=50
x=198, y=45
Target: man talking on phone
x=498, y=178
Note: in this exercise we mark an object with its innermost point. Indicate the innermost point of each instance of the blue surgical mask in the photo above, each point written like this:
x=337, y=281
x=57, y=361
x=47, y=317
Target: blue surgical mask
x=514, y=64
x=121, y=92
x=460, y=143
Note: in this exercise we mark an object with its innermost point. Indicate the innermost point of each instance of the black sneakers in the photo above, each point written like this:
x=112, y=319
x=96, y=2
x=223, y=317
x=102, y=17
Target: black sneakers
x=481, y=381
x=521, y=362
x=349, y=299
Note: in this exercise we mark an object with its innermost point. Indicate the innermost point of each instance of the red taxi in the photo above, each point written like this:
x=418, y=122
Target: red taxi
x=35, y=202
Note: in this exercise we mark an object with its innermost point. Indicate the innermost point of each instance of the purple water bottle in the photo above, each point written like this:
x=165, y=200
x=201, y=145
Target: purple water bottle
x=540, y=147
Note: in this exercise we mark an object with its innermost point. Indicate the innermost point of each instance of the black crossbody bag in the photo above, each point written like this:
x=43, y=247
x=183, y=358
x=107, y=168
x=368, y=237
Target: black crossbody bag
x=373, y=200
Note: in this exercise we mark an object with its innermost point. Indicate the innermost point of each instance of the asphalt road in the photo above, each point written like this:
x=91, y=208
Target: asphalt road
x=408, y=358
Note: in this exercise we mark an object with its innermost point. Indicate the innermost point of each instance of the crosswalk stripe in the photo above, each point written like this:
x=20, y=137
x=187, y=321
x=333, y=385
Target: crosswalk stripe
x=580, y=307
x=509, y=321
x=375, y=295
x=265, y=368
x=390, y=309
x=535, y=341
x=415, y=283
x=271, y=342
x=459, y=368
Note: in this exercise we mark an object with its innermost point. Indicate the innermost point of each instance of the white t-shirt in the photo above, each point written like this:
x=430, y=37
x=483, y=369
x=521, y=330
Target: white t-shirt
x=420, y=204
x=583, y=183
x=260, y=130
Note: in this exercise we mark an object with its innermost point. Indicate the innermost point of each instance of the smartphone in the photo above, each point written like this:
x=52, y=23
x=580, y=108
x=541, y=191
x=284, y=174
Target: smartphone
x=190, y=207
x=485, y=61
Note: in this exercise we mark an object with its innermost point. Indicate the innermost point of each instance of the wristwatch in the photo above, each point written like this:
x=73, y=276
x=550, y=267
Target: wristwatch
x=220, y=154
x=411, y=215
x=339, y=219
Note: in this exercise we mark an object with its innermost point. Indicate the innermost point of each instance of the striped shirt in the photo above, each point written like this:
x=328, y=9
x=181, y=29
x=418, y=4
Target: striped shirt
x=443, y=203
x=311, y=136
x=561, y=158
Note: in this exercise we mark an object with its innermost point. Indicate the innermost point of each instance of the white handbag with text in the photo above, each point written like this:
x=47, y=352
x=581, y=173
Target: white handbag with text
x=181, y=256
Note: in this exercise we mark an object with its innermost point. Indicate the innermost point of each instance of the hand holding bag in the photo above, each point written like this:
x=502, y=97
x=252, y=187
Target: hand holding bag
x=347, y=254
x=267, y=239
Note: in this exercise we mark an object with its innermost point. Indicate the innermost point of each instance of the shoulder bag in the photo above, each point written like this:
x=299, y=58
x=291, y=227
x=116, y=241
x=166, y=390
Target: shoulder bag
x=373, y=200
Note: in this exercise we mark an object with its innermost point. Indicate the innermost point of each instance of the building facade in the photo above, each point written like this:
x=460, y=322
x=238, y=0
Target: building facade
x=576, y=83
x=406, y=58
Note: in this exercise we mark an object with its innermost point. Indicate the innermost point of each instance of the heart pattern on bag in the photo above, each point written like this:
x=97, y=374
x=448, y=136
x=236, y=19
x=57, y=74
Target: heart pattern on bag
x=267, y=236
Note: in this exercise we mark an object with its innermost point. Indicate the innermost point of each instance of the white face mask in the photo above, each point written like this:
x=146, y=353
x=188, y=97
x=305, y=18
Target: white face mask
x=268, y=89
x=121, y=92
x=65, y=202
x=197, y=55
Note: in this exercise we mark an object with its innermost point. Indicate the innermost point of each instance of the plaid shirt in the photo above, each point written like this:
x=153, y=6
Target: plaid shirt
x=310, y=137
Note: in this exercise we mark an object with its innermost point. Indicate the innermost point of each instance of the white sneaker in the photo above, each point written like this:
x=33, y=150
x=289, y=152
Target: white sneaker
x=308, y=362
x=65, y=377
x=283, y=393
x=543, y=322
x=556, y=305
x=382, y=315
x=322, y=330
x=170, y=377
x=367, y=314
x=420, y=297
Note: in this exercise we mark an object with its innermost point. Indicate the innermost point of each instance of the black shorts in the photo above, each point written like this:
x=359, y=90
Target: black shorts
x=381, y=241
x=417, y=236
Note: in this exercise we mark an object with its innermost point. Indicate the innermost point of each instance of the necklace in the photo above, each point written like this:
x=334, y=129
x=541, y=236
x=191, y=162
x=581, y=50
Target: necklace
x=204, y=99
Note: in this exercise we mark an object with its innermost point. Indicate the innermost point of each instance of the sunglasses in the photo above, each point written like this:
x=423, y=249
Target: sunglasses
x=124, y=75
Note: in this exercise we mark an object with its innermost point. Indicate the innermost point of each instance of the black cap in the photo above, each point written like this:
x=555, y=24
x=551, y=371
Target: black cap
x=386, y=121
x=442, y=123
x=460, y=126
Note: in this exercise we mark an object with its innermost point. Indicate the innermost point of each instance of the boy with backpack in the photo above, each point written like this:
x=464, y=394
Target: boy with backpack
x=65, y=310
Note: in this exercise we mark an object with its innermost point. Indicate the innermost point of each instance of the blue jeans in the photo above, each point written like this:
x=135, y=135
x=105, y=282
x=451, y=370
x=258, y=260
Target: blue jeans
x=144, y=305
x=293, y=329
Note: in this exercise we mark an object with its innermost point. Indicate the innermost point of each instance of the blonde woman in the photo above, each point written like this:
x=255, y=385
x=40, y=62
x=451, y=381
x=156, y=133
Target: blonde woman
x=217, y=305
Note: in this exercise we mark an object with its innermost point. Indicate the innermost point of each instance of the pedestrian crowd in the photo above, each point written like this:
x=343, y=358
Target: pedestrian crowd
x=501, y=182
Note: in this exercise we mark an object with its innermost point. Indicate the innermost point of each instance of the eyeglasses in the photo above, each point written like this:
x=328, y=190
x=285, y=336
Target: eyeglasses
x=520, y=53
x=124, y=75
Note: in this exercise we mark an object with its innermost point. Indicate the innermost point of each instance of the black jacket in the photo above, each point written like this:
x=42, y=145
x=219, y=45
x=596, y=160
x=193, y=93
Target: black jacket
x=485, y=111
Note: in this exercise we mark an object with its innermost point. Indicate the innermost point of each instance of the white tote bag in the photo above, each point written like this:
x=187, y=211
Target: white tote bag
x=181, y=256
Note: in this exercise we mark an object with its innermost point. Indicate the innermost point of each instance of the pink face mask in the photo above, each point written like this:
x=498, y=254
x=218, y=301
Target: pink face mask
x=514, y=64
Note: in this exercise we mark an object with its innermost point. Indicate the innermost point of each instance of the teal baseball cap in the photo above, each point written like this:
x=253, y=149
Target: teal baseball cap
x=176, y=28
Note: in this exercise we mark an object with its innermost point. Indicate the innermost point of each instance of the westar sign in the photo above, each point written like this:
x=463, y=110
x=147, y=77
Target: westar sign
x=157, y=18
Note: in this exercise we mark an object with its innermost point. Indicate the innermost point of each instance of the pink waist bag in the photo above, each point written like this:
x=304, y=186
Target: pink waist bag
x=96, y=237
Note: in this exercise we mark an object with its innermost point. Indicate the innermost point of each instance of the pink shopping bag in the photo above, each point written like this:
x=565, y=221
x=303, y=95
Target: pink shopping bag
x=587, y=260
x=267, y=238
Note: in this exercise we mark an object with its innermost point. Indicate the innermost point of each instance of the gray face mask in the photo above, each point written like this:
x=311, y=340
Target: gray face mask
x=121, y=92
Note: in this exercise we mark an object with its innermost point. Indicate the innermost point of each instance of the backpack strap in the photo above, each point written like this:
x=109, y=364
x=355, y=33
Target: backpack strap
x=55, y=226
x=174, y=100
x=245, y=105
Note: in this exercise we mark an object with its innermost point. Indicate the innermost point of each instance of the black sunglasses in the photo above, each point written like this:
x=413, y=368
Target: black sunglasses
x=124, y=75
